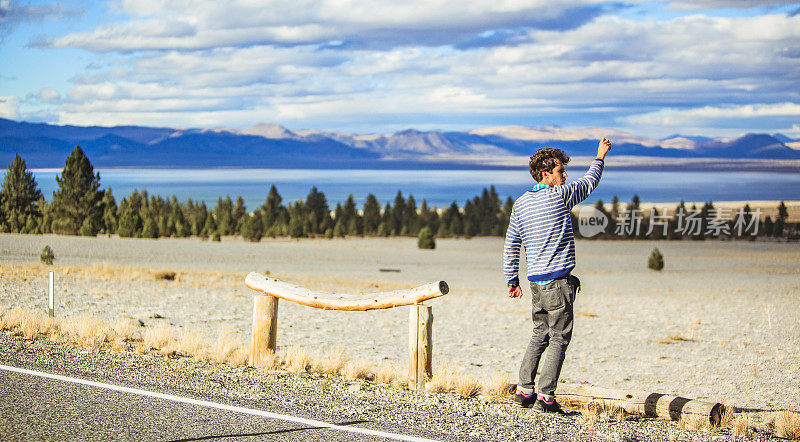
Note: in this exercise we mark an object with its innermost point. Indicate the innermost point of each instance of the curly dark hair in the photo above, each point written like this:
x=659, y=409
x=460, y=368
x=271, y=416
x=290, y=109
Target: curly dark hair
x=544, y=160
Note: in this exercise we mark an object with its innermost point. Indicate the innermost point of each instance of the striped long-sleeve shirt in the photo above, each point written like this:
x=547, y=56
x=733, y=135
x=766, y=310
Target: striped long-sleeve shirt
x=540, y=221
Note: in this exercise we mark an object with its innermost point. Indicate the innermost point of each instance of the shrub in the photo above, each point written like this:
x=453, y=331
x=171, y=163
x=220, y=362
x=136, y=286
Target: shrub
x=47, y=256
x=425, y=239
x=656, y=261
x=165, y=275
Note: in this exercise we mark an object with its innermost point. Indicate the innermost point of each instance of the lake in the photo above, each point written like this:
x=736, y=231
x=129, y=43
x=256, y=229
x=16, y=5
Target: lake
x=438, y=187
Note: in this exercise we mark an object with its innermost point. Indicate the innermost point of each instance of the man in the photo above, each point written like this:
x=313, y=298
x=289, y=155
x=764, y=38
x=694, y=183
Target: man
x=541, y=222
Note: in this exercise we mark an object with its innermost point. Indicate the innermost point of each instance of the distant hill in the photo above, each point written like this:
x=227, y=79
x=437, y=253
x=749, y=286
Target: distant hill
x=273, y=146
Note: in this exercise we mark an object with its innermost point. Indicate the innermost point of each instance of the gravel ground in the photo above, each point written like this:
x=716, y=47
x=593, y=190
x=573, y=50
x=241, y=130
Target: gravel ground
x=332, y=399
x=720, y=323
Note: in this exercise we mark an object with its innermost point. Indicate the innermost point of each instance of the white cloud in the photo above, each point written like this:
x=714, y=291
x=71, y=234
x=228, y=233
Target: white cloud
x=48, y=94
x=12, y=13
x=736, y=4
x=9, y=107
x=227, y=64
x=376, y=23
x=744, y=111
x=729, y=119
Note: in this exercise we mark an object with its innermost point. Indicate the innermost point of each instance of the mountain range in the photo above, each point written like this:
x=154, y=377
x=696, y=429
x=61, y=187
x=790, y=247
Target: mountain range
x=44, y=145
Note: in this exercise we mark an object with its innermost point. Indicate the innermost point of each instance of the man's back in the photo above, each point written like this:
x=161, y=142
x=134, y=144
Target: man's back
x=540, y=221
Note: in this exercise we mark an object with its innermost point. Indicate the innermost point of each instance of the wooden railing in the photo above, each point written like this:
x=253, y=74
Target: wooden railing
x=265, y=316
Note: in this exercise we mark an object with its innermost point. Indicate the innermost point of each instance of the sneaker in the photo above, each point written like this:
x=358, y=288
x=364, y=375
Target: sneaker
x=542, y=406
x=524, y=400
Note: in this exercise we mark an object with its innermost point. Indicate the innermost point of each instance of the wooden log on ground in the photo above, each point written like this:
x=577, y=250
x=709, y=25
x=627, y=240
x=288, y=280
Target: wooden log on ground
x=642, y=402
x=265, y=328
x=420, y=346
x=342, y=301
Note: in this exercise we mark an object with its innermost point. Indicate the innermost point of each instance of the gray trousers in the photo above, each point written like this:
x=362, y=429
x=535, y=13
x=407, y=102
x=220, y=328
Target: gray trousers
x=552, y=331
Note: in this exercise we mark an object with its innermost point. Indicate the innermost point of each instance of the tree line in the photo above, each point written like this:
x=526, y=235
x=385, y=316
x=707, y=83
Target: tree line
x=80, y=207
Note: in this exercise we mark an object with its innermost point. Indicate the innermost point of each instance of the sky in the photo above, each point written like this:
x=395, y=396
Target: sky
x=719, y=68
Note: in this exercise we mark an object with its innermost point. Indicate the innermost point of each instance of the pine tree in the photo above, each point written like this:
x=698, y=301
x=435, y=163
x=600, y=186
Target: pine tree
x=252, y=227
x=372, y=215
x=224, y=216
x=783, y=213
x=130, y=219
x=472, y=222
x=656, y=261
x=395, y=223
x=339, y=229
x=411, y=217
x=297, y=226
x=150, y=228
x=46, y=221
x=428, y=217
x=271, y=209
x=19, y=199
x=425, y=239
x=452, y=220
x=182, y=228
x=239, y=212
x=78, y=202
x=318, y=217
x=352, y=219
x=387, y=220
x=209, y=227
x=109, y=212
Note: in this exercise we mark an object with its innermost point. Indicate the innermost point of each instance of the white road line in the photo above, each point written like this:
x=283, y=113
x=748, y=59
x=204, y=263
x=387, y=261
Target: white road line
x=283, y=417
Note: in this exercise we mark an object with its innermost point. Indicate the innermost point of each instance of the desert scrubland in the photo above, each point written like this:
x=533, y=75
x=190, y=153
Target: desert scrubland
x=721, y=322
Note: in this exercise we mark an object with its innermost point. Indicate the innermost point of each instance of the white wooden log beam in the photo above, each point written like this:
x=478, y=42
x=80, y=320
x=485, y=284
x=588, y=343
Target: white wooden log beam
x=344, y=301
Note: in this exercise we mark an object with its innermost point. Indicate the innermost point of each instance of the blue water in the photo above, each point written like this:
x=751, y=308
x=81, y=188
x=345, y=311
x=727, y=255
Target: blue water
x=438, y=187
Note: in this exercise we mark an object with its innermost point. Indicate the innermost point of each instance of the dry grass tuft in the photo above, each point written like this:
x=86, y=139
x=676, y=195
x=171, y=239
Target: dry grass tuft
x=594, y=411
x=359, y=369
x=741, y=426
x=696, y=422
x=228, y=350
x=193, y=343
x=588, y=314
x=159, y=336
x=467, y=386
x=443, y=378
x=386, y=374
x=25, y=323
x=497, y=386
x=165, y=275
x=785, y=424
x=269, y=361
x=88, y=331
x=297, y=359
x=591, y=411
x=125, y=327
x=677, y=337
x=333, y=362
x=727, y=415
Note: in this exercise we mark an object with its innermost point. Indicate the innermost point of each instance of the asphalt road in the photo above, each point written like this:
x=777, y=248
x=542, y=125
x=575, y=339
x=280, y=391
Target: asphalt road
x=38, y=408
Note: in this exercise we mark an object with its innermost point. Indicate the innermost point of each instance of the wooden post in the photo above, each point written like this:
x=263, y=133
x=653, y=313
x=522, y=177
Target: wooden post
x=265, y=328
x=51, y=296
x=420, y=345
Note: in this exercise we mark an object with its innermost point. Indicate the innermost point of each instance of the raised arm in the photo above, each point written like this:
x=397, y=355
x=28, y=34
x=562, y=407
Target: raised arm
x=578, y=190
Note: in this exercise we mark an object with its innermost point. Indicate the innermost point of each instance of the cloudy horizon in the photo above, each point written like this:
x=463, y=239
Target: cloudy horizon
x=656, y=68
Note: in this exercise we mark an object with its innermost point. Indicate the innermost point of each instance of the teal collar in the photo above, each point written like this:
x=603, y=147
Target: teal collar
x=539, y=186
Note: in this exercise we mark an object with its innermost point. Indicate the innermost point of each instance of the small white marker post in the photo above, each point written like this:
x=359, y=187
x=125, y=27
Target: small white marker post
x=52, y=295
